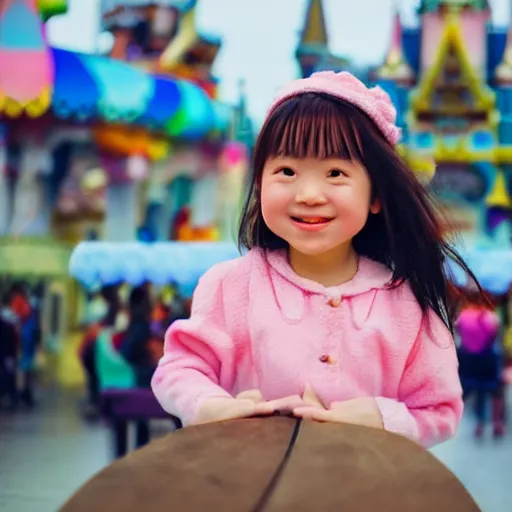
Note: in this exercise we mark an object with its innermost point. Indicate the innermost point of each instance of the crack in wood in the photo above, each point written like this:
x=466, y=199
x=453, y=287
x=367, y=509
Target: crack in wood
x=274, y=481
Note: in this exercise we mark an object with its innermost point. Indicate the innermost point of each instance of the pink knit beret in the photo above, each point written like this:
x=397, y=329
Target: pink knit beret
x=374, y=101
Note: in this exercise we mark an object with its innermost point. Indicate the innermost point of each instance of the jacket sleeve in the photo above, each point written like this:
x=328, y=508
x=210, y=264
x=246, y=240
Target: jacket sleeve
x=199, y=354
x=429, y=406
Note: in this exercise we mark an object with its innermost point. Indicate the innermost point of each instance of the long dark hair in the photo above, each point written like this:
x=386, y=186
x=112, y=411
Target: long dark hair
x=406, y=235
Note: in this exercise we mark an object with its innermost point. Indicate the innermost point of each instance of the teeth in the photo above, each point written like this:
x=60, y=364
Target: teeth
x=315, y=220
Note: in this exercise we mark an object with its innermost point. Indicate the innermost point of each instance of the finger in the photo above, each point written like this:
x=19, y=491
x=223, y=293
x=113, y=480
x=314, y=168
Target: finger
x=264, y=409
x=311, y=398
x=286, y=404
x=251, y=394
x=228, y=410
x=313, y=413
x=240, y=409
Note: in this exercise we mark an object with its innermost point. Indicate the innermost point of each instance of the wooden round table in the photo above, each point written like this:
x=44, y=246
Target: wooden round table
x=275, y=464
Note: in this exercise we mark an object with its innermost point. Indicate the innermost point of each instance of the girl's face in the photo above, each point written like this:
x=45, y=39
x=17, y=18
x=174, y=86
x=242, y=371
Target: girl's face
x=317, y=206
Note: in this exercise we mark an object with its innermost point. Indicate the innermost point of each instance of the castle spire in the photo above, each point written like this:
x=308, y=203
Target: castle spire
x=395, y=65
x=503, y=73
x=314, y=32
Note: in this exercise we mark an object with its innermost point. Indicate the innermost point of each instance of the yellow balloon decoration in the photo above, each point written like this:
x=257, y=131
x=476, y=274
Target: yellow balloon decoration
x=126, y=141
x=33, y=108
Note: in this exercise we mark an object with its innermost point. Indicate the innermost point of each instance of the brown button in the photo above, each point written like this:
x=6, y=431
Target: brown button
x=326, y=358
x=335, y=302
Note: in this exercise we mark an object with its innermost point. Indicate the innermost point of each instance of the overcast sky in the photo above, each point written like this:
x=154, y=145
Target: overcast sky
x=260, y=36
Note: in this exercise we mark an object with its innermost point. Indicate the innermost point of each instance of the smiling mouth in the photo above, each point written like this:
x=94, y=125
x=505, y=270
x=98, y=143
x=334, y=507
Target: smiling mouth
x=312, y=220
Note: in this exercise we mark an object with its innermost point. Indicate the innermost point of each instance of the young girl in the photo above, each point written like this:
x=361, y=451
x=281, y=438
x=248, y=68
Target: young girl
x=339, y=311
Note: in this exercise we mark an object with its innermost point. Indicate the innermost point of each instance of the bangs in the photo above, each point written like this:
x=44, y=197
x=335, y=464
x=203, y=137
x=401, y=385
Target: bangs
x=315, y=126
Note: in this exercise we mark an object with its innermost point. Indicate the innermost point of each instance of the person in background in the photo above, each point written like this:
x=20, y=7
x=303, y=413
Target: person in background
x=135, y=344
x=27, y=322
x=481, y=365
x=9, y=347
x=94, y=318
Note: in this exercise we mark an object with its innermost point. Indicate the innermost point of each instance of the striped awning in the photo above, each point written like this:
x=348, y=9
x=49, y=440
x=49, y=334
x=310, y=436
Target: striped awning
x=163, y=105
x=92, y=87
x=75, y=94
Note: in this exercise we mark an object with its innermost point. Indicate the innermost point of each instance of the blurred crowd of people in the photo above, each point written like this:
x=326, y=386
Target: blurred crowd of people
x=20, y=338
x=136, y=319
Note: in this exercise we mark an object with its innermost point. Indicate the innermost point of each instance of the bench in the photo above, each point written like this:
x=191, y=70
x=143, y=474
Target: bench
x=122, y=407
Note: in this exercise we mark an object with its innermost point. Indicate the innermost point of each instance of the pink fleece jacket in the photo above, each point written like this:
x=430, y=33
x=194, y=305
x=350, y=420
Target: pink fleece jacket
x=256, y=324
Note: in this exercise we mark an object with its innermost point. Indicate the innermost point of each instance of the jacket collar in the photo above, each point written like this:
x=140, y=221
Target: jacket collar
x=370, y=275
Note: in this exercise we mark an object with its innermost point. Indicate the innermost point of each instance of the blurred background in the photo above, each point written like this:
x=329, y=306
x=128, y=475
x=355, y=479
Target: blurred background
x=126, y=132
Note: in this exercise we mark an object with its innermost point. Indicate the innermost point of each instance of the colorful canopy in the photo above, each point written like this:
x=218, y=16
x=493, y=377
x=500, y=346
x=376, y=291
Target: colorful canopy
x=89, y=87
x=94, y=263
x=86, y=87
x=75, y=93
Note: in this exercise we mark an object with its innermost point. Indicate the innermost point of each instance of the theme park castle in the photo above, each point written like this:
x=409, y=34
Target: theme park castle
x=451, y=81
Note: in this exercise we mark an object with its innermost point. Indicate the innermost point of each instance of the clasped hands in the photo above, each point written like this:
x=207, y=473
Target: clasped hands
x=358, y=411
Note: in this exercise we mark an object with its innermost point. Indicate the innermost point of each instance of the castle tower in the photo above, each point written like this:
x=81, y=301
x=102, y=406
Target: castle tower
x=313, y=50
x=314, y=39
x=473, y=16
x=395, y=65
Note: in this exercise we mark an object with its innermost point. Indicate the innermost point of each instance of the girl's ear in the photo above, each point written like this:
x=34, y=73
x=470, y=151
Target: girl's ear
x=375, y=207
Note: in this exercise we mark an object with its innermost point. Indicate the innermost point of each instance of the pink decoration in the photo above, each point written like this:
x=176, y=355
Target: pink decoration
x=32, y=79
x=27, y=82
x=137, y=167
x=396, y=39
x=474, y=31
x=234, y=153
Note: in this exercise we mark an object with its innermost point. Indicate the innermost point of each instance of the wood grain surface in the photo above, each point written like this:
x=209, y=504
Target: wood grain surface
x=273, y=465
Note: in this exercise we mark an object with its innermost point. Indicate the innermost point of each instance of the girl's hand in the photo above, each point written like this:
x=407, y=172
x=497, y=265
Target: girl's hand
x=358, y=411
x=222, y=408
x=285, y=405
x=246, y=404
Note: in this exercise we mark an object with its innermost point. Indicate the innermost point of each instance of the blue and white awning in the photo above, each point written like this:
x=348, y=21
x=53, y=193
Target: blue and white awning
x=492, y=268
x=94, y=263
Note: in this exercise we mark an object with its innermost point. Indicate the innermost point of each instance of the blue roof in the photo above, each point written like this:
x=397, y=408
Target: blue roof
x=411, y=41
x=496, y=42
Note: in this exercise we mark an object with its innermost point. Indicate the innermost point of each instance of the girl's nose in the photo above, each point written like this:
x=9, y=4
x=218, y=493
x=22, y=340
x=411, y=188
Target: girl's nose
x=310, y=194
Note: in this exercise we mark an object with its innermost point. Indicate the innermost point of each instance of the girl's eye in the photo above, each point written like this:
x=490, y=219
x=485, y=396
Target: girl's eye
x=287, y=171
x=336, y=173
